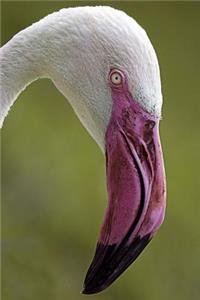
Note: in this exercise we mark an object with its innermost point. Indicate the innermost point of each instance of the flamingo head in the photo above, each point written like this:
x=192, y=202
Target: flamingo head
x=113, y=83
x=105, y=65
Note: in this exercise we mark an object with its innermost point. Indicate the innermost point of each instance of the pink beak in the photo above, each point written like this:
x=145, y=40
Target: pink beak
x=136, y=189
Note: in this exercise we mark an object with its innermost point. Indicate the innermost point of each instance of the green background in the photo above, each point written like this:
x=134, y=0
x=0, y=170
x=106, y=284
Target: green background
x=53, y=177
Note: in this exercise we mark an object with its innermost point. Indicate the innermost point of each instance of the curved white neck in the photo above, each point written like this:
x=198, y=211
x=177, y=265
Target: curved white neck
x=21, y=62
x=41, y=51
x=76, y=48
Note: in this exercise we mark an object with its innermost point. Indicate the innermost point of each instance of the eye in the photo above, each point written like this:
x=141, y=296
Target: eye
x=116, y=77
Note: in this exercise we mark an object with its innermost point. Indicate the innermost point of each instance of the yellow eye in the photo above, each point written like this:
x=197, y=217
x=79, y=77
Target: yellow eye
x=116, y=78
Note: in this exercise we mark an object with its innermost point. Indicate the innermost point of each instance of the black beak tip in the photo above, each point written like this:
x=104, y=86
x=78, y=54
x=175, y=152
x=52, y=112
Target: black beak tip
x=110, y=262
x=85, y=291
x=90, y=291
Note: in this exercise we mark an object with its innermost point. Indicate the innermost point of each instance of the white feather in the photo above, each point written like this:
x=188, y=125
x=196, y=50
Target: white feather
x=76, y=48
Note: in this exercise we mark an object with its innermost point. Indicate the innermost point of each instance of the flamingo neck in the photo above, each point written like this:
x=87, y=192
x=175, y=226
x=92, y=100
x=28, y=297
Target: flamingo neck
x=21, y=62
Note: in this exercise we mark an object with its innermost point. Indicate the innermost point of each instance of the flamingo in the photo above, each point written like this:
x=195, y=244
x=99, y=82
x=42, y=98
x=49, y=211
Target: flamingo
x=103, y=62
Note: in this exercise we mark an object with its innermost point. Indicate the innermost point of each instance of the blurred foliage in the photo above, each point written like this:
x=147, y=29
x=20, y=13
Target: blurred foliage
x=53, y=181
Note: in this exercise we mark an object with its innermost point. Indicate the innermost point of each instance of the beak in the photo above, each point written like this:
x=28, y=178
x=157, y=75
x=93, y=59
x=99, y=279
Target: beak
x=136, y=190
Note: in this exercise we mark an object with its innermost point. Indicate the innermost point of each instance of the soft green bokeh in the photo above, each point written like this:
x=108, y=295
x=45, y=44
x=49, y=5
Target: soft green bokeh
x=53, y=181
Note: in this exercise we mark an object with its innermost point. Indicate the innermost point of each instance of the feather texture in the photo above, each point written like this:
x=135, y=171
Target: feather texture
x=76, y=48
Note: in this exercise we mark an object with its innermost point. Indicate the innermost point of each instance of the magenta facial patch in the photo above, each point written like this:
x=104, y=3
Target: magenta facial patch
x=134, y=164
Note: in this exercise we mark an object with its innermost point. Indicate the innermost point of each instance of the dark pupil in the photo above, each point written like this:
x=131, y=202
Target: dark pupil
x=116, y=78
